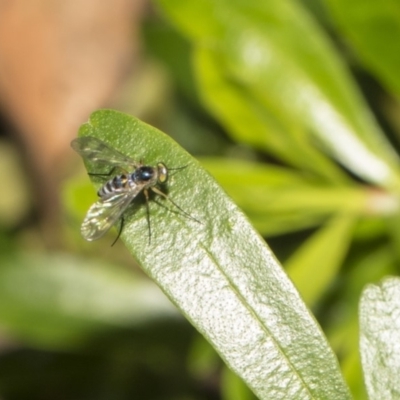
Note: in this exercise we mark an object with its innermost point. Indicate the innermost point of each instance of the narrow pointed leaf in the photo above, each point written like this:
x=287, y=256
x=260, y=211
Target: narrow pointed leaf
x=278, y=55
x=250, y=122
x=279, y=199
x=58, y=301
x=372, y=29
x=329, y=244
x=221, y=274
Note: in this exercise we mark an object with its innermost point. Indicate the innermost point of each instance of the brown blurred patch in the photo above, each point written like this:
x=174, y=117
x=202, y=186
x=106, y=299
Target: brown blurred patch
x=60, y=60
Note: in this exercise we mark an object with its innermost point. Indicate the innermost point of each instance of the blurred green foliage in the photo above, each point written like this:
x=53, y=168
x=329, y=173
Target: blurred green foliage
x=280, y=101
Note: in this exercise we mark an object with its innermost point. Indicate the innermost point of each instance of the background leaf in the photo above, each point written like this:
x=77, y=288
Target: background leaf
x=315, y=264
x=380, y=338
x=280, y=200
x=260, y=48
x=58, y=301
x=372, y=30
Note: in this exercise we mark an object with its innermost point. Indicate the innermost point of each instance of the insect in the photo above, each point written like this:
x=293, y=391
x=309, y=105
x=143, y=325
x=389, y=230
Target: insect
x=119, y=191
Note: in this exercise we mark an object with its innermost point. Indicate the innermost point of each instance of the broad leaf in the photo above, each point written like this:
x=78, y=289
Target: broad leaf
x=380, y=338
x=221, y=274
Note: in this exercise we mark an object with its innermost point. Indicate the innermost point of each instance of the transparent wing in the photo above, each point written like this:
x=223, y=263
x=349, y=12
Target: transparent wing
x=103, y=214
x=95, y=150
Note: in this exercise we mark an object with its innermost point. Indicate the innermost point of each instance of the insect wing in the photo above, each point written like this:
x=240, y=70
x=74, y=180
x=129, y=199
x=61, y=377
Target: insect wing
x=103, y=214
x=95, y=150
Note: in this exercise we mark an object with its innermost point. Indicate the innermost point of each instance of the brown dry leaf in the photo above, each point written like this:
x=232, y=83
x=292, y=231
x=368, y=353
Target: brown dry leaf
x=60, y=60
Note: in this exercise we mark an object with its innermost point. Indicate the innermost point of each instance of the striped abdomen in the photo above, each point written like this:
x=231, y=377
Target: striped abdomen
x=116, y=184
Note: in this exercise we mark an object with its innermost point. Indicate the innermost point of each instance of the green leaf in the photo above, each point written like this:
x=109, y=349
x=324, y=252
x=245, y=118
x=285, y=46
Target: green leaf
x=369, y=264
x=372, y=29
x=280, y=200
x=253, y=123
x=315, y=265
x=58, y=300
x=379, y=339
x=174, y=51
x=233, y=388
x=287, y=67
x=221, y=274
x=15, y=201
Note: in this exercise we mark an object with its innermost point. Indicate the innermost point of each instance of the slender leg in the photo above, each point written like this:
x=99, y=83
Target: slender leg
x=187, y=215
x=119, y=232
x=146, y=195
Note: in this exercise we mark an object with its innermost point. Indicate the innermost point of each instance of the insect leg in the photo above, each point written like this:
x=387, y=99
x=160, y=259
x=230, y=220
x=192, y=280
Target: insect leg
x=176, y=169
x=146, y=195
x=187, y=215
x=119, y=231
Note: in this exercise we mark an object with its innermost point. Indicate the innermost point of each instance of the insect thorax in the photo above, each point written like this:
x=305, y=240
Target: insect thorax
x=144, y=174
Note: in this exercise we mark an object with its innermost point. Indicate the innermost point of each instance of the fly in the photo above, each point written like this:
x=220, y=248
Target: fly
x=118, y=192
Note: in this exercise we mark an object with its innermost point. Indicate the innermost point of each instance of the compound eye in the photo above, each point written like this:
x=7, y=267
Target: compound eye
x=162, y=173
